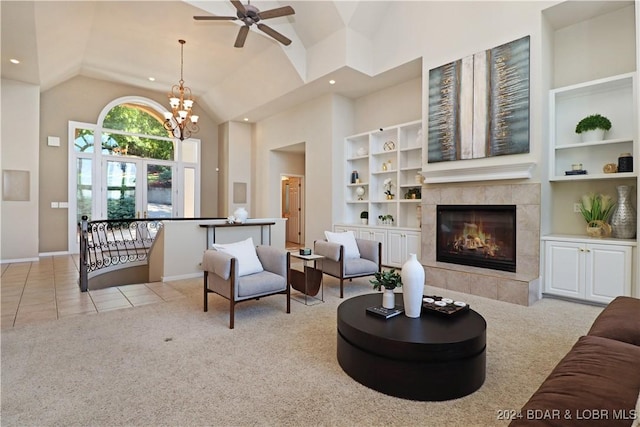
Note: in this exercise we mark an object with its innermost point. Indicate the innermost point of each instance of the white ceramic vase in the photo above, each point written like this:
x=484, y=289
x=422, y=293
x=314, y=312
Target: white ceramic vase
x=241, y=215
x=592, y=135
x=388, y=298
x=412, y=286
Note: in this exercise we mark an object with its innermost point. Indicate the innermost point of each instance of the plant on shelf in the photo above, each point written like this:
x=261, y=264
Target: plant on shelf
x=364, y=217
x=386, y=219
x=388, y=185
x=413, y=193
x=389, y=279
x=593, y=122
x=595, y=209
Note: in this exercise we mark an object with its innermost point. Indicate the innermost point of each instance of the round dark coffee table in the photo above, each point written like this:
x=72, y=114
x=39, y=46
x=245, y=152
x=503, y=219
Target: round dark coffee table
x=432, y=357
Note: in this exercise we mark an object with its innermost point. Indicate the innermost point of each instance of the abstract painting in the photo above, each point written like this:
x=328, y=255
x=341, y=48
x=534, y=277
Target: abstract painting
x=479, y=105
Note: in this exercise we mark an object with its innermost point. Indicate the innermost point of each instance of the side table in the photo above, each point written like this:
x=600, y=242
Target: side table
x=308, y=281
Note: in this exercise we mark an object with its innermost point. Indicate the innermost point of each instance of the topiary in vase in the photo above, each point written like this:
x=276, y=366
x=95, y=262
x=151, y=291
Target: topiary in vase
x=593, y=127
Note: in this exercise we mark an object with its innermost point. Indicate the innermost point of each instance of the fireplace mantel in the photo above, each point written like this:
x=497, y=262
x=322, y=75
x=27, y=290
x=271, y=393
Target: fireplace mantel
x=479, y=173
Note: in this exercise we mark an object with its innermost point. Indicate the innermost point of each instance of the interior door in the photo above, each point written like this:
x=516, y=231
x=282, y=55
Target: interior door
x=293, y=225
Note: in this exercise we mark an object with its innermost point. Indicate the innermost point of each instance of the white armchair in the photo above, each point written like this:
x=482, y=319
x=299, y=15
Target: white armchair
x=338, y=265
x=221, y=276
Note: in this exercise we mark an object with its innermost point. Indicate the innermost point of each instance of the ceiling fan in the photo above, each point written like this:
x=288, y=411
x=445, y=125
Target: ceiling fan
x=250, y=15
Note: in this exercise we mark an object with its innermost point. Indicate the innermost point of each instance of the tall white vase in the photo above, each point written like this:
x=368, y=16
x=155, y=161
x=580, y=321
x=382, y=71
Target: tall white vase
x=412, y=286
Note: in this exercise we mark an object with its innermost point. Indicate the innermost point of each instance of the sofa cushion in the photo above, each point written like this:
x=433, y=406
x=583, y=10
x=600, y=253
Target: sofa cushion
x=245, y=252
x=620, y=320
x=598, y=374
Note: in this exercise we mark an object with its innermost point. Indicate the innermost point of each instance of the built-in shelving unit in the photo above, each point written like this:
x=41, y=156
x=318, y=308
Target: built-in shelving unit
x=613, y=98
x=575, y=265
x=394, y=154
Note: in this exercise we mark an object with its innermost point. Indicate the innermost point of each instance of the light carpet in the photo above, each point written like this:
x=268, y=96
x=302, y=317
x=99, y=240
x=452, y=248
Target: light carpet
x=172, y=364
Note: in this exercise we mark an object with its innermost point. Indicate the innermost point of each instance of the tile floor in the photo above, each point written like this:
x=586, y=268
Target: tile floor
x=48, y=289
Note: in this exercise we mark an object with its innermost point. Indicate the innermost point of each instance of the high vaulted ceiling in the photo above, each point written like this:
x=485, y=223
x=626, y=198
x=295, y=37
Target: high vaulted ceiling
x=130, y=41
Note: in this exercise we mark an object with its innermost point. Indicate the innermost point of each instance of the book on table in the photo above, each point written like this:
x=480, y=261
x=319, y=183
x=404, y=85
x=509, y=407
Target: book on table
x=385, y=313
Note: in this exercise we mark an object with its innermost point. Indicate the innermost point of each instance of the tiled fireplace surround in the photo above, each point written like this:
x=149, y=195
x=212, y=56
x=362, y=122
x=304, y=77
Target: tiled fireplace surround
x=521, y=287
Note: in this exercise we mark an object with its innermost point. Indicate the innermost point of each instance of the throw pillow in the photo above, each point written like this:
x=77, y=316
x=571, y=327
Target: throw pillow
x=346, y=239
x=245, y=252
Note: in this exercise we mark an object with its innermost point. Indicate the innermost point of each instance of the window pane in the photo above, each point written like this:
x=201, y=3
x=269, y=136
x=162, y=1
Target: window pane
x=83, y=141
x=189, y=152
x=189, y=193
x=84, y=190
x=121, y=190
x=159, y=191
x=136, y=118
x=135, y=146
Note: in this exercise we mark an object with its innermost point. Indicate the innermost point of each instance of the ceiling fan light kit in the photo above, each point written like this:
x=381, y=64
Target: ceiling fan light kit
x=180, y=121
x=250, y=15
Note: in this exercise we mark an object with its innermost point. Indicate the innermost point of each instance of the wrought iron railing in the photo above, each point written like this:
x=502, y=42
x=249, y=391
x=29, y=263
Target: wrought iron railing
x=109, y=243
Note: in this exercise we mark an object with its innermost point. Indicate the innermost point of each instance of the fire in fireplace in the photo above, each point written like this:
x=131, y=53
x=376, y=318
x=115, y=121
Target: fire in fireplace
x=477, y=235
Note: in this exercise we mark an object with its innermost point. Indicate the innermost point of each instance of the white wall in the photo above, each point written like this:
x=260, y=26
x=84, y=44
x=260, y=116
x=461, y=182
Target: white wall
x=240, y=169
x=20, y=132
x=310, y=123
x=597, y=48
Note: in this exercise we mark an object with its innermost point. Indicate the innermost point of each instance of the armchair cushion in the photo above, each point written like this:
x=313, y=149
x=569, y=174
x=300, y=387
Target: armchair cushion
x=346, y=239
x=245, y=252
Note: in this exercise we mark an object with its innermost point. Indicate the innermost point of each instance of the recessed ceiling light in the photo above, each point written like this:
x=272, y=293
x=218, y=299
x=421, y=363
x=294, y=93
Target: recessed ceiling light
x=152, y=79
x=332, y=82
x=14, y=61
x=246, y=119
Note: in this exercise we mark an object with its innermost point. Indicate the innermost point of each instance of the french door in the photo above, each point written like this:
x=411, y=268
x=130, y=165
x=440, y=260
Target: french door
x=137, y=188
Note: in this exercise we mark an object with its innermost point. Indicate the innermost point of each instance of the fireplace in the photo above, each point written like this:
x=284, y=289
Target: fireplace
x=477, y=235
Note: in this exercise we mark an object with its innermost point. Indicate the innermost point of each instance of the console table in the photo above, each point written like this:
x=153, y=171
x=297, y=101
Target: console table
x=211, y=231
x=430, y=358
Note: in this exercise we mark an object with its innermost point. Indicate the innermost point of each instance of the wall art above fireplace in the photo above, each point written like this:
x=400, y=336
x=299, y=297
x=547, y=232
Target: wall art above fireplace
x=477, y=235
x=479, y=105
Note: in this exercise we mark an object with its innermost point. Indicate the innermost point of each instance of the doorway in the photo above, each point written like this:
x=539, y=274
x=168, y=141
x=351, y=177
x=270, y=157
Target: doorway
x=292, y=195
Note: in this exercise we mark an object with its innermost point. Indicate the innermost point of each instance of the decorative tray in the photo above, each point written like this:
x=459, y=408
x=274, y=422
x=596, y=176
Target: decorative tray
x=440, y=305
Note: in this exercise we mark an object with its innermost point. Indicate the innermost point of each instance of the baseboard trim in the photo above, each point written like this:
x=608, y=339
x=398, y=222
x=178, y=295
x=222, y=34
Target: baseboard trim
x=180, y=277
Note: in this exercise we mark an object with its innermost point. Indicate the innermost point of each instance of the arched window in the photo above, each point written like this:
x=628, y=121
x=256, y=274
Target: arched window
x=139, y=170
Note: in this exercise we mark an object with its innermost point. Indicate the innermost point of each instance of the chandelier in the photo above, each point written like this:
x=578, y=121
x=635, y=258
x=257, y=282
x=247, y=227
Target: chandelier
x=180, y=121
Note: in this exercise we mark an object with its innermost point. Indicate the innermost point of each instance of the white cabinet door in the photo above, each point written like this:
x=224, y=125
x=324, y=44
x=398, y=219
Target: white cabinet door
x=414, y=244
x=564, y=269
x=589, y=271
x=395, y=248
x=400, y=245
x=608, y=272
x=378, y=235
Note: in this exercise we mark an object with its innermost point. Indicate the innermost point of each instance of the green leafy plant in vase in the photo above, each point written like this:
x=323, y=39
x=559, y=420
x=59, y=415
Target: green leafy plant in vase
x=387, y=280
x=593, y=127
x=596, y=209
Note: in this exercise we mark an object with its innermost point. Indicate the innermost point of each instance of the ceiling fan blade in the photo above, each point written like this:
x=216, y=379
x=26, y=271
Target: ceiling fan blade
x=274, y=13
x=239, y=6
x=242, y=36
x=273, y=33
x=215, y=18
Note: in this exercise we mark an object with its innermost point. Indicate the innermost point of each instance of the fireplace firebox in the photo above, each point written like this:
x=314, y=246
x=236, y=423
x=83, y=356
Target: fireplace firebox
x=477, y=235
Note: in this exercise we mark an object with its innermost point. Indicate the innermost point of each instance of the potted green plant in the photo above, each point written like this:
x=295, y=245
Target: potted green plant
x=364, y=217
x=595, y=209
x=414, y=193
x=593, y=127
x=387, y=280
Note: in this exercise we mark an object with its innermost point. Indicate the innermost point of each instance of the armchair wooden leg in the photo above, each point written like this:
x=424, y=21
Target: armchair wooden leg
x=288, y=299
x=231, y=313
x=341, y=287
x=206, y=292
